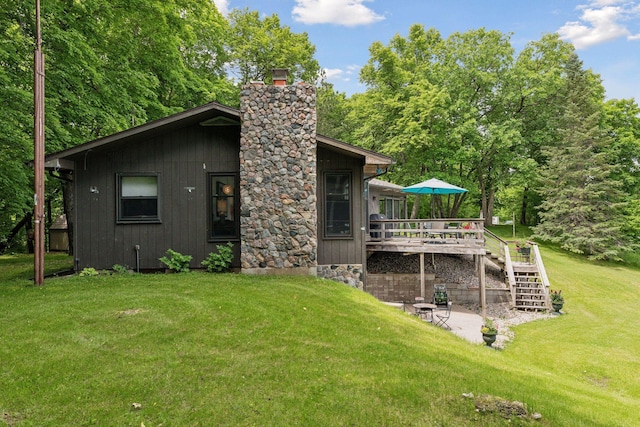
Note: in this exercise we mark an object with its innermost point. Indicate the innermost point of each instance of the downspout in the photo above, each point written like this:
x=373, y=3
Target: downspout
x=137, y=249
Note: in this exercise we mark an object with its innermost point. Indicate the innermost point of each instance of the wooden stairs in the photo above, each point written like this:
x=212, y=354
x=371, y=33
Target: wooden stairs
x=525, y=275
x=530, y=292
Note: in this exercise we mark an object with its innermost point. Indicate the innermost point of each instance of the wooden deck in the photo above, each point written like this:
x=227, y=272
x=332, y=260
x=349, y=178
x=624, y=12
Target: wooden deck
x=441, y=236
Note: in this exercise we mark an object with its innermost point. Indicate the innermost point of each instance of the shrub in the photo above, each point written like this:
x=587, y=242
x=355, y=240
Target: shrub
x=220, y=261
x=88, y=272
x=557, y=297
x=488, y=327
x=120, y=269
x=176, y=262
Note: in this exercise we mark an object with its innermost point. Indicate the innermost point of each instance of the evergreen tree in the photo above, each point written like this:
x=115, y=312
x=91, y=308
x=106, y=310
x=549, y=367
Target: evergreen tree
x=582, y=208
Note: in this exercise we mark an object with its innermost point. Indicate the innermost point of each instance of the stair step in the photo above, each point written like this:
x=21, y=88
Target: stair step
x=532, y=300
x=525, y=269
x=531, y=308
x=526, y=303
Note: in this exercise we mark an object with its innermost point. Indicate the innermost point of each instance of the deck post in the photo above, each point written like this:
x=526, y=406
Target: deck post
x=481, y=278
x=422, y=285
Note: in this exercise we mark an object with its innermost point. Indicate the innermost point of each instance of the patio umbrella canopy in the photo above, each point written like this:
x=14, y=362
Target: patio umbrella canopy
x=433, y=186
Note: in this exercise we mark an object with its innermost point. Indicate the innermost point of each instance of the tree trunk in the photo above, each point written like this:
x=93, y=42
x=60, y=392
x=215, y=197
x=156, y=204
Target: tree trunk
x=14, y=231
x=416, y=205
x=491, y=198
x=28, y=226
x=523, y=208
x=67, y=202
x=457, y=203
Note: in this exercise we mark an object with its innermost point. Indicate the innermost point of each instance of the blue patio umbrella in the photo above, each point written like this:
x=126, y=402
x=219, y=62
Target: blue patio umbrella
x=433, y=186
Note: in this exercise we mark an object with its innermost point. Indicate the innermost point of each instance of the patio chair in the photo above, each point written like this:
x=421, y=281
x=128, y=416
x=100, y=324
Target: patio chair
x=443, y=317
x=440, y=297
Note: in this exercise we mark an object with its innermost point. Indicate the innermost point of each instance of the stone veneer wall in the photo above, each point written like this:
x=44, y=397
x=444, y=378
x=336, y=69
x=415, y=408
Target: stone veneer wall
x=351, y=274
x=278, y=168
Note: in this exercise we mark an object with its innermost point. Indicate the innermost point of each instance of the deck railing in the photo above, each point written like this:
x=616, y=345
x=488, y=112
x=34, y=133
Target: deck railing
x=442, y=230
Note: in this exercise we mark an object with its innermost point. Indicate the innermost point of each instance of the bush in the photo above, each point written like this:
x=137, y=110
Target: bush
x=220, y=261
x=88, y=272
x=120, y=269
x=176, y=262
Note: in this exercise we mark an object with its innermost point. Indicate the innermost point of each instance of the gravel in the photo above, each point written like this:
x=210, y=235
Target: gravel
x=504, y=317
x=448, y=268
x=460, y=269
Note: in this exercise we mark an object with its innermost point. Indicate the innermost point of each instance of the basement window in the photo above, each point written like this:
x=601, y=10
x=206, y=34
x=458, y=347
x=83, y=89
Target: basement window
x=138, y=198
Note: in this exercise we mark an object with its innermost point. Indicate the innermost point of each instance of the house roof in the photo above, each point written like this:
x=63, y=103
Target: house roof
x=385, y=185
x=210, y=114
x=386, y=188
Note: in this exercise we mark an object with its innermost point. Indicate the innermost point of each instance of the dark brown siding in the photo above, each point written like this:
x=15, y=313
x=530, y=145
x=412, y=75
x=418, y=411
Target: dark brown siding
x=341, y=250
x=182, y=158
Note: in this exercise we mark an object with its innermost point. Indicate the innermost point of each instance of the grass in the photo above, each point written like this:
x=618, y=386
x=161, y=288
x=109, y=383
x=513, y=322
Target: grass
x=21, y=266
x=203, y=349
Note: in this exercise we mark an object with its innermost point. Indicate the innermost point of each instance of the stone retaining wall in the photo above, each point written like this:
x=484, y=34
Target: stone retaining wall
x=351, y=274
x=405, y=287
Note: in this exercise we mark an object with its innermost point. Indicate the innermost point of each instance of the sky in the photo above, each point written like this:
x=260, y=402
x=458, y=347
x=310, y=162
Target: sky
x=605, y=33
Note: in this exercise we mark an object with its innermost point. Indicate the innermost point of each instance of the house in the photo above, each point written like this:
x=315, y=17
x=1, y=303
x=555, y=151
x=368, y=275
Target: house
x=291, y=201
x=386, y=198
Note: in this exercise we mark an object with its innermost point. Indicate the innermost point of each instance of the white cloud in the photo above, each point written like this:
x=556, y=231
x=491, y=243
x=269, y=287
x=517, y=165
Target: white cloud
x=341, y=75
x=349, y=13
x=223, y=6
x=601, y=21
x=352, y=69
x=333, y=73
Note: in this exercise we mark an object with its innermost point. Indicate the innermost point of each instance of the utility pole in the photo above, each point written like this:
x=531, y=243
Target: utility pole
x=38, y=153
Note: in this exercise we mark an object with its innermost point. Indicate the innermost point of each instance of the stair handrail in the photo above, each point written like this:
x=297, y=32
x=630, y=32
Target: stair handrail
x=542, y=272
x=511, y=276
x=492, y=241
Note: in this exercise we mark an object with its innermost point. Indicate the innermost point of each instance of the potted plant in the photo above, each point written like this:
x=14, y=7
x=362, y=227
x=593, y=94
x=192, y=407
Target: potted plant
x=557, y=300
x=523, y=247
x=489, y=332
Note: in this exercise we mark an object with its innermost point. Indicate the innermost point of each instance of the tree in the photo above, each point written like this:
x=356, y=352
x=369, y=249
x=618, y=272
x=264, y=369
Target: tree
x=462, y=109
x=622, y=121
x=256, y=46
x=331, y=107
x=582, y=207
x=109, y=65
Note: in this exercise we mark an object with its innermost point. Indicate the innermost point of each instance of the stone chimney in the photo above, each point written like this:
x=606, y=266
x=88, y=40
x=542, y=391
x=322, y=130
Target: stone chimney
x=279, y=76
x=278, y=220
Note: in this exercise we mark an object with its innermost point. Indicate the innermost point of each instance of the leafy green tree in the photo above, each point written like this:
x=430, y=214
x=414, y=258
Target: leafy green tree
x=463, y=109
x=256, y=46
x=109, y=65
x=622, y=120
x=16, y=125
x=582, y=209
x=331, y=107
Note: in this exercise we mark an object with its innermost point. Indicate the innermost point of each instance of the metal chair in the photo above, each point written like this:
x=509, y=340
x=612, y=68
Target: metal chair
x=440, y=297
x=443, y=318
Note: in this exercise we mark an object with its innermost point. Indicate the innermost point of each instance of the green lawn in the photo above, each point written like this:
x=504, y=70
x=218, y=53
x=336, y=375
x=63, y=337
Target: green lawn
x=204, y=349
